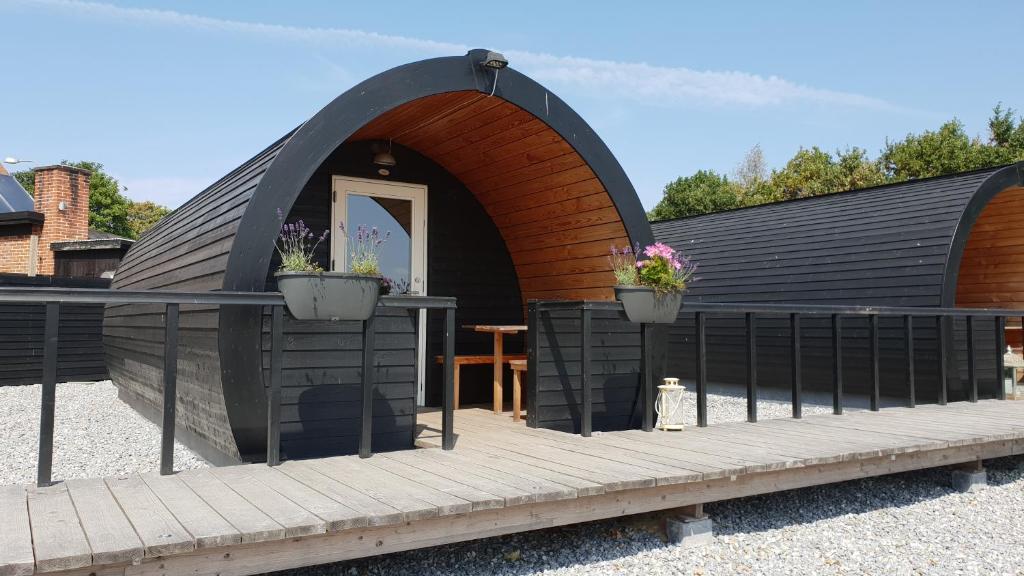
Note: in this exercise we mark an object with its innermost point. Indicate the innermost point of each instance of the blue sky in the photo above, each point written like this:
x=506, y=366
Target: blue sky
x=172, y=95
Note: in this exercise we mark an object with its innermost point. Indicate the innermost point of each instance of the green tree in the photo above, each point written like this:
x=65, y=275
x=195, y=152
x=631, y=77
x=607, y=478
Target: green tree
x=109, y=209
x=26, y=178
x=813, y=172
x=143, y=215
x=704, y=192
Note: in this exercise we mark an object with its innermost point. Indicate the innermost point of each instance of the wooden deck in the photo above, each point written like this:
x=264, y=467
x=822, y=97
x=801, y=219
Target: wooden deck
x=501, y=478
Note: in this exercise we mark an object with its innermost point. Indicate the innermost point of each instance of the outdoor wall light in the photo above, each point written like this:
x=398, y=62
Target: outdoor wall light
x=494, y=60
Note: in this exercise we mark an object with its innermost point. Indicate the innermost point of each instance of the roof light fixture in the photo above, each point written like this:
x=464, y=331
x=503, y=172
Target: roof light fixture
x=495, y=61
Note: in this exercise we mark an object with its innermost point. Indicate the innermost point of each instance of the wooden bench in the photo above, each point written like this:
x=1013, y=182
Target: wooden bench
x=470, y=359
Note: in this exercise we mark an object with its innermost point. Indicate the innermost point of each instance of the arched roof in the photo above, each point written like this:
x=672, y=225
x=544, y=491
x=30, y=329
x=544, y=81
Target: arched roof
x=223, y=238
x=899, y=244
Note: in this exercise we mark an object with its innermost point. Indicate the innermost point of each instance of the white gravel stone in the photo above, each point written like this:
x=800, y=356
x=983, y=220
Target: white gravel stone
x=95, y=434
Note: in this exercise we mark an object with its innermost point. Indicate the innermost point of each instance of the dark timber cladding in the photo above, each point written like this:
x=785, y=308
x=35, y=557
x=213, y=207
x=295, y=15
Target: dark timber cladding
x=523, y=202
x=918, y=243
x=80, y=352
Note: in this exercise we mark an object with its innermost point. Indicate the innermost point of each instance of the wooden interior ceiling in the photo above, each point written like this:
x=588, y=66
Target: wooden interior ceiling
x=992, y=268
x=555, y=216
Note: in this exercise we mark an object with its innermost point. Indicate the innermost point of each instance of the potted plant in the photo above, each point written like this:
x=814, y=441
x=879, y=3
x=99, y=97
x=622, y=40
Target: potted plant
x=651, y=289
x=312, y=293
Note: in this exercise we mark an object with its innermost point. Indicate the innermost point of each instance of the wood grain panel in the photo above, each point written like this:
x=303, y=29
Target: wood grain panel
x=555, y=216
x=992, y=269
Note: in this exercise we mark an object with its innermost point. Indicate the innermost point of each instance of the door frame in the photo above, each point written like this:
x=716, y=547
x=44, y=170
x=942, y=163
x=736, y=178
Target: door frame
x=415, y=193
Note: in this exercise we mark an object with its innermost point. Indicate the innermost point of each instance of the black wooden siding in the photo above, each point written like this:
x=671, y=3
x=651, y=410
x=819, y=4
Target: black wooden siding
x=186, y=251
x=466, y=257
x=80, y=335
x=882, y=246
x=885, y=246
x=322, y=384
x=556, y=400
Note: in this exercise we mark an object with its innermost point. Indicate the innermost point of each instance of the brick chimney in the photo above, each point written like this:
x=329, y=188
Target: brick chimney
x=62, y=196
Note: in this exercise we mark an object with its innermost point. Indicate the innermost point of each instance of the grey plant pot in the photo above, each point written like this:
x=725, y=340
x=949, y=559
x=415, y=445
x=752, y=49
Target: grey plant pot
x=644, y=306
x=329, y=295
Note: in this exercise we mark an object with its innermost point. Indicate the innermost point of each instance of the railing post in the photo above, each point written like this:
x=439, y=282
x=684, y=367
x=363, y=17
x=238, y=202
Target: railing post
x=585, y=384
x=366, y=430
x=448, y=417
x=49, y=384
x=170, y=389
x=908, y=334
x=837, y=364
x=875, y=386
x=972, y=368
x=702, y=370
x=943, y=384
x=751, y=323
x=647, y=378
x=797, y=365
x=1000, y=335
x=274, y=392
x=532, y=361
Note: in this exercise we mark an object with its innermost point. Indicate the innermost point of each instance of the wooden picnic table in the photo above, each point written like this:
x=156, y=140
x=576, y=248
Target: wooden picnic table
x=499, y=331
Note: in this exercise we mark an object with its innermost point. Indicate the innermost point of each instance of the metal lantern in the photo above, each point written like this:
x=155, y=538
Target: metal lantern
x=1011, y=361
x=670, y=405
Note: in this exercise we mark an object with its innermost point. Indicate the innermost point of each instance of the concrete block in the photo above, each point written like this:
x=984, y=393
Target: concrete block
x=688, y=531
x=969, y=480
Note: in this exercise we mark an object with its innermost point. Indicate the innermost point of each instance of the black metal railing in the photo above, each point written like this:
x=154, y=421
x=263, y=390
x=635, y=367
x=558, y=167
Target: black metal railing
x=53, y=298
x=795, y=313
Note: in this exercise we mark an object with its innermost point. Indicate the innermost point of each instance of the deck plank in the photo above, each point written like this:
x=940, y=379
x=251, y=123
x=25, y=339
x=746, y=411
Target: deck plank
x=207, y=527
x=110, y=534
x=337, y=515
x=445, y=503
x=585, y=482
x=383, y=488
x=296, y=520
x=615, y=477
x=376, y=513
x=160, y=532
x=60, y=542
x=511, y=495
x=479, y=499
x=621, y=462
x=252, y=524
x=16, y=556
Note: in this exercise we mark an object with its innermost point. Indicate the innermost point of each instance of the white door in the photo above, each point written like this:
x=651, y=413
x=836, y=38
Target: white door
x=401, y=210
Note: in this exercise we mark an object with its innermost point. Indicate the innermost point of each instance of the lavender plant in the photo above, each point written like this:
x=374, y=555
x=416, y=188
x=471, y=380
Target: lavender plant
x=297, y=244
x=364, y=249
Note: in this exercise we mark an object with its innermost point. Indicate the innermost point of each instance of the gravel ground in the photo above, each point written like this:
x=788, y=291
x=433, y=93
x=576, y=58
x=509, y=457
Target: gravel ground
x=95, y=434
x=910, y=523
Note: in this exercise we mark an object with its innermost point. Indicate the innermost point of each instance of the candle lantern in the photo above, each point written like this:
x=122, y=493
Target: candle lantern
x=1011, y=361
x=670, y=405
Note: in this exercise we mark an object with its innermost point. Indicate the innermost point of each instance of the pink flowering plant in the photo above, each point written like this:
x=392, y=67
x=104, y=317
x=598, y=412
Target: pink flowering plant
x=297, y=244
x=664, y=269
